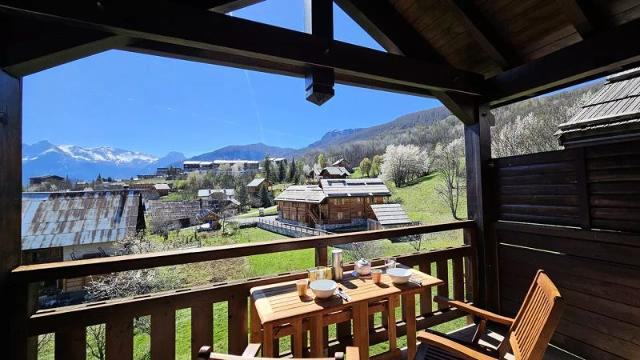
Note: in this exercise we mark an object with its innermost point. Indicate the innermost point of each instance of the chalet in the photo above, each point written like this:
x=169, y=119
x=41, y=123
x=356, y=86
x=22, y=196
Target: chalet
x=174, y=214
x=254, y=188
x=387, y=216
x=214, y=198
x=60, y=226
x=162, y=189
x=341, y=163
x=334, y=172
x=612, y=113
x=334, y=204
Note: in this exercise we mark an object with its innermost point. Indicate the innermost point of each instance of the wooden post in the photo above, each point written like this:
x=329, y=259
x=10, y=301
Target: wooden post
x=479, y=197
x=14, y=306
x=319, y=81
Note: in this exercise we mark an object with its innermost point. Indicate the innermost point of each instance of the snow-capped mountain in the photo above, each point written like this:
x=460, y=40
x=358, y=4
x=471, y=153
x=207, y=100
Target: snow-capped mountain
x=86, y=163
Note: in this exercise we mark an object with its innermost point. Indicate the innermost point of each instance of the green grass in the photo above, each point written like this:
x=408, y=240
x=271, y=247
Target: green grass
x=419, y=200
x=273, y=210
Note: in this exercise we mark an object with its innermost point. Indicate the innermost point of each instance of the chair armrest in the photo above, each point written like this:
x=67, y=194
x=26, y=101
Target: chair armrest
x=470, y=309
x=205, y=352
x=252, y=350
x=456, y=349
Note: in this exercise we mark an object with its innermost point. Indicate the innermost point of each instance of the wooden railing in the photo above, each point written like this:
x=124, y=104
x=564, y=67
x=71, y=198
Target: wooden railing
x=453, y=265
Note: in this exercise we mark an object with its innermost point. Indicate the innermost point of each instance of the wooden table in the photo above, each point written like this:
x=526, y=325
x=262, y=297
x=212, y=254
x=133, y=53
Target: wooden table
x=278, y=306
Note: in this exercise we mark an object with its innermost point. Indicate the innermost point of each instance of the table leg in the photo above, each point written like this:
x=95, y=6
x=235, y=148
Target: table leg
x=267, y=341
x=296, y=346
x=409, y=309
x=391, y=323
x=361, y=328
x=317, y=341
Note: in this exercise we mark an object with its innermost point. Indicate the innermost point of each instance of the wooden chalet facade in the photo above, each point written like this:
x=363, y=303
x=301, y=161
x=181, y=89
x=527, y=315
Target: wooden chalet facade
x=573, y=213
x=334, y=172
x=334, y=204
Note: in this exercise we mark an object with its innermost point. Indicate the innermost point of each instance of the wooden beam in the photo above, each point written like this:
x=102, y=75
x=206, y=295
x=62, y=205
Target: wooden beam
x=479, y=196
x=221, y=6
x=13, y=302
x=383, y=22
x=576, y=15
x=42, y=45
x=484, y=33
x=180, y=25
x=318, y=21
x=385, y=25
x=601, y=54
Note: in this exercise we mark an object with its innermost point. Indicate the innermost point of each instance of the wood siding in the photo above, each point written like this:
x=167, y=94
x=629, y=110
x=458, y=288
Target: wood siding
x=597, y=271
x=338, y=210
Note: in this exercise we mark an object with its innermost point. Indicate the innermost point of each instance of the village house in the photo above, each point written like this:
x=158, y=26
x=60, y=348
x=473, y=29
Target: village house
x=61, y=226
x=218, y=199
x=235, y=166
x=254, y=188
x=162, y=189
x=341, y=163
x=334, y=204
x=334, y=172
x=173, y=214
x=38, y=180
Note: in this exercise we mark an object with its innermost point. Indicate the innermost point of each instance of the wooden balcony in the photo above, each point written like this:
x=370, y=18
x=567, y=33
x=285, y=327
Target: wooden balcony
x=70, y=323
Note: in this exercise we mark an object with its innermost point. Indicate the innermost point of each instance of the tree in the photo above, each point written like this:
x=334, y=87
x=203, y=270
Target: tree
x=450, y=163
x=242, y=196
x=282, y=172
x=293, y=175
x=403, y=163
x=265, y=198
x=321, y=161
x=376, y=165
x=365, y=167
x=99, y=178
x=266, y=168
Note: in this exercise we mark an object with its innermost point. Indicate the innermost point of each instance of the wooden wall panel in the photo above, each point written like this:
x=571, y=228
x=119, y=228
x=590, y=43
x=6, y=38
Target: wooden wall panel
x=598, y=274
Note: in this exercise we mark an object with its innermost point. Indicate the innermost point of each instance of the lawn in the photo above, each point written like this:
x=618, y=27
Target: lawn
x=419, y=200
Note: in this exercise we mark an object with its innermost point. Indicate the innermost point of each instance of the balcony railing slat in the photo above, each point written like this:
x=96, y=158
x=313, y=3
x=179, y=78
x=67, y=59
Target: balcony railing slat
x=201, y=327
x=71, y=343
x=163, y=333
x=458, y=279
x=78, y=268
x=119, y=338
x=426, y=304
x=442, y=269
x=238, y=323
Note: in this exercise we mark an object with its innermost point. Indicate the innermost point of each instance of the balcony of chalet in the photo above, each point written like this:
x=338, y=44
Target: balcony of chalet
x=573, y=213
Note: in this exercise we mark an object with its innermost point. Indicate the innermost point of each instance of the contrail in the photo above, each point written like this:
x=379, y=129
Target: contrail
x=255, y=105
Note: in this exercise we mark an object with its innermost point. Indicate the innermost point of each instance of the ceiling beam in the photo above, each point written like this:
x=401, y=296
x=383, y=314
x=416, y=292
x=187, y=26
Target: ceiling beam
x=220, y=6
x=385, y=25
x=601, y=54
x=484, y=34
x=318, y=21
x=576, y=15
x=383, y=22
x=209, y=31
x=43, y=45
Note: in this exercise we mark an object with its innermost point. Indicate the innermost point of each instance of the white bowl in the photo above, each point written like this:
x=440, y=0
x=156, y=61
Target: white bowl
x=323, y=289
x=399, y=275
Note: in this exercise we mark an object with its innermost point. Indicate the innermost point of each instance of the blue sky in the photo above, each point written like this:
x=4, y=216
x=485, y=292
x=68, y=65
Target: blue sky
x=156, y=105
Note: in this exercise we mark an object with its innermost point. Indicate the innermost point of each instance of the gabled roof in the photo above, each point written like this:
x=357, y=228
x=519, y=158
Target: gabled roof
x=78, y=217
x=209, y=192
x=162, y=187
x=255, y=182
x=337, y=163
x=167, y=211
x=354, y=187
x=336, y=171
x=613, y=110
x=302, y=193
x=390, y=214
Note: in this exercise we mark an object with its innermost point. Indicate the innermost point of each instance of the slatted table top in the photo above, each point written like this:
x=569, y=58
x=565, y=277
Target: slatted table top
x=280, y=302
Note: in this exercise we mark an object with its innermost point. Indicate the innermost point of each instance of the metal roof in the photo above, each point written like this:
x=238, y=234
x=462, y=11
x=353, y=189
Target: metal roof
x=302, y=193
x=613, y=108
x=167, y=211
x=336, y=170
x=78, y=217
x=208, y=192
x=162, y=187
x=255, y=182
x=390, y=214
x=354, y=187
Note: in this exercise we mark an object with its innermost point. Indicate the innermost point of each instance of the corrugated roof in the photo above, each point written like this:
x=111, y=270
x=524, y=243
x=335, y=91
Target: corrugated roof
x=617, y=103
x=354, y=187
x=255, y=182
x=390, y=214
x=302, y=193
x=78, y=217
x=207, y=192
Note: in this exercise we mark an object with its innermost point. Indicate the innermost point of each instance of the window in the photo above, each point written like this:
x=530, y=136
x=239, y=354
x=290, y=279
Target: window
x=340, y=215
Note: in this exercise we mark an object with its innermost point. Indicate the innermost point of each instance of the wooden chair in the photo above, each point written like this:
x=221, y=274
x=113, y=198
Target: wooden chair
x=528, y=336
x=251, y=353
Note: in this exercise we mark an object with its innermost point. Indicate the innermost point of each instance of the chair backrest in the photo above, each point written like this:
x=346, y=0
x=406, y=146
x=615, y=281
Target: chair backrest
x=536, y=320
